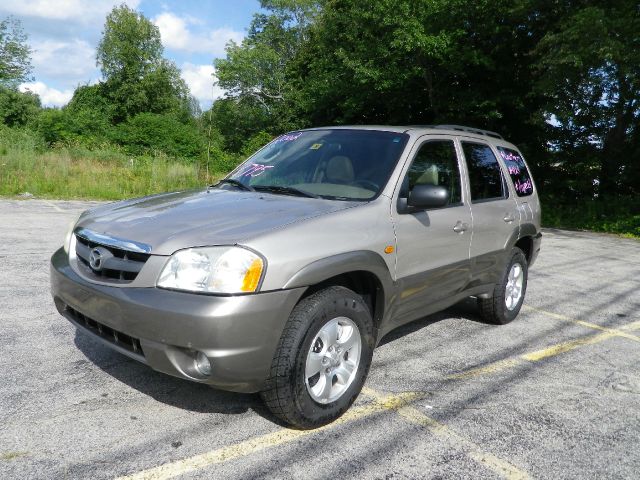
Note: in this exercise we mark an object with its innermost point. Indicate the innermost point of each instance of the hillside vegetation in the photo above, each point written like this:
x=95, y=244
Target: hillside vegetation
x=559, y=79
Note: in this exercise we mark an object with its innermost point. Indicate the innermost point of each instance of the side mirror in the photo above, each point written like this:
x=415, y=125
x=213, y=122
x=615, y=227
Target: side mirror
x=428, y=196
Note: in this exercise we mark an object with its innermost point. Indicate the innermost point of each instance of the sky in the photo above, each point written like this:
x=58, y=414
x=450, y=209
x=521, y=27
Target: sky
x=64, y=35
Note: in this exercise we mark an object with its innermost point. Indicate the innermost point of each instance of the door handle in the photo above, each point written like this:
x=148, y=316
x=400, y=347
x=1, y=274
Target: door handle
x=460, y=227
x=509, y=217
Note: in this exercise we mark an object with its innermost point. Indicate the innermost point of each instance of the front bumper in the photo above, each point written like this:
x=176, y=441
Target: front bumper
x=164, y=328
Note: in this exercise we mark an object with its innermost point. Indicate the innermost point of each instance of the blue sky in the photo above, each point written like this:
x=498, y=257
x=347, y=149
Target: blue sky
x=64, y=35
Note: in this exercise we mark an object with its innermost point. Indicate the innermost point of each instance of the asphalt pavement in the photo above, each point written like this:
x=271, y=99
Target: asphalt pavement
x=555, y=394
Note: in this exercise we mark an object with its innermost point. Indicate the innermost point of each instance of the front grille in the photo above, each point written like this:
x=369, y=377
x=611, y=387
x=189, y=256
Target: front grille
x=112, y=336
x=117, y=265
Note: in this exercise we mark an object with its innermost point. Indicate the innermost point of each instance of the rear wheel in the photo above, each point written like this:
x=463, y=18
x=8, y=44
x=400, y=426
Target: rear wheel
x=322, y=359
x=508, y=295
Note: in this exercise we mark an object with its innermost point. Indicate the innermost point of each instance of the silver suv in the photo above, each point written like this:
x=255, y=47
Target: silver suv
x=283, y=277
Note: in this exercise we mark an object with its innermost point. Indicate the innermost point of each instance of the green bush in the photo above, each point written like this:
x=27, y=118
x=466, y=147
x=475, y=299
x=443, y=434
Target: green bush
x=151, y=132
x=18, y=109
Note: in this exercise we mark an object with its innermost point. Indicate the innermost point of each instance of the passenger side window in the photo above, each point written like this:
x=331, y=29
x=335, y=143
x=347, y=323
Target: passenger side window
x=485, y=177
x=436, y=163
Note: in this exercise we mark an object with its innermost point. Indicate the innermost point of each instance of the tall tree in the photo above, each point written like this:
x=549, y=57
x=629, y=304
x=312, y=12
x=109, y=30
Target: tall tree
x=137, y=78
x=15, y=53
x=588, y=68
x=256, y=72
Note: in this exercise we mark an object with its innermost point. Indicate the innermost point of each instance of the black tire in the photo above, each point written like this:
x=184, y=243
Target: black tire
x=286, y=394
x=494, y=309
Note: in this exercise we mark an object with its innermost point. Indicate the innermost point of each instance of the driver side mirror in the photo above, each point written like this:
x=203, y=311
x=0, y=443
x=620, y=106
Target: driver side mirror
x=424, y=196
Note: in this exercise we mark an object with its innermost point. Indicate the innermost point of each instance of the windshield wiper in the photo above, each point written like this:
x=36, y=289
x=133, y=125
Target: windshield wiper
x=285, y=190
x=236, y=183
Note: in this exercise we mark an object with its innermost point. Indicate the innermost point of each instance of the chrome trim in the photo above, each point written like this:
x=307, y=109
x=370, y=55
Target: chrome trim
x=114, y=242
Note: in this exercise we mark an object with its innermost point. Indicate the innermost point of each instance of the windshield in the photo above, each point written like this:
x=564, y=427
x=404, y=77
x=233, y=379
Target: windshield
x=337, y=164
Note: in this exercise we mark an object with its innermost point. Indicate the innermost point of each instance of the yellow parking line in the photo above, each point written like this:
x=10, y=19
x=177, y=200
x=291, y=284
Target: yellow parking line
x=263, y=442
x=535, y=356
x=485, y=369
x=563, y=347
x=617, y=332
x=552, y=350
x=415, y=416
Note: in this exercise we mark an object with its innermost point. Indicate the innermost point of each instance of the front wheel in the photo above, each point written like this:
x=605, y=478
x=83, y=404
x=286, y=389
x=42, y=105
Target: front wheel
x=508, y=295
x=322, y=359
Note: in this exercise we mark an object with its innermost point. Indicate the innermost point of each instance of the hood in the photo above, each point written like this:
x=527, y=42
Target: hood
x=172, y=221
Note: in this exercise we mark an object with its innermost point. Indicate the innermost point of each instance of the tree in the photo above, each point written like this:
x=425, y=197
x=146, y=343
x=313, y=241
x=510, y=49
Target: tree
x=588, y=69
x=137, y=78
x=18, y=109
x=256, y=72
x=15, y=54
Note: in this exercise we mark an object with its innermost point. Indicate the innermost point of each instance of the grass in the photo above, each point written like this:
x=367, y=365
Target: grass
x=620, y=216
x=73, y=173
x=107, y=173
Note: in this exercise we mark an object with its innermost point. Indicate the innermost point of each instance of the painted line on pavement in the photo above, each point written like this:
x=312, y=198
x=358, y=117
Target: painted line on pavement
x=552, y=350
x=413, y=415
x=619, y=332
x=54, y=206
x=269, y=440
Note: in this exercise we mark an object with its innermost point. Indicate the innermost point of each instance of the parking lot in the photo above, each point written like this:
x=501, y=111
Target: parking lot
x=555, y=394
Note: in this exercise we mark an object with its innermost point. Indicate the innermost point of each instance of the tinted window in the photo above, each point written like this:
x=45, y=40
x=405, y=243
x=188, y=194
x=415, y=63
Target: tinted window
x=517, y=171
x=336, y=164
x=485, y=177
x=436, y=163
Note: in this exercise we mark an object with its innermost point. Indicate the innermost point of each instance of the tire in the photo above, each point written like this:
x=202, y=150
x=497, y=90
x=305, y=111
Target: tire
x=501, y=308
x=308, y=402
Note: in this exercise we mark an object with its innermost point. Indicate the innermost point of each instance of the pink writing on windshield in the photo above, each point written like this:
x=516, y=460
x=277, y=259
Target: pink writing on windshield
x=289, y=137
x=255, y=169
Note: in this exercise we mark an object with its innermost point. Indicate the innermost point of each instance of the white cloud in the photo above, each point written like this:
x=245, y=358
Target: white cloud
x=200, y=80
x=83, y=11
x=176, y=35
x=73, y=60
x=50, y=97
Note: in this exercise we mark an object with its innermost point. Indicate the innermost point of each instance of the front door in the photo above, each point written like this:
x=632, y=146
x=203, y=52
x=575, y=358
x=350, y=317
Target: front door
x=432, y=245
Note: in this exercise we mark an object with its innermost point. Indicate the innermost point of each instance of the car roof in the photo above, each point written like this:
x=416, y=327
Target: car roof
x=418, y=129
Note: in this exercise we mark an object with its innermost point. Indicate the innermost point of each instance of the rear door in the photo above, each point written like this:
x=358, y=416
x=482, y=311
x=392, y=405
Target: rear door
x=432, y=245
x=494, y=210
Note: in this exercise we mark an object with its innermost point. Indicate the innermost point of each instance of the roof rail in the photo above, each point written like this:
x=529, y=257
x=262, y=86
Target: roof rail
x=462, y=128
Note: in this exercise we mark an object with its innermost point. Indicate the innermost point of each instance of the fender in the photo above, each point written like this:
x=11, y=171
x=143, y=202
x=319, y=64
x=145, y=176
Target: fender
x=526, y=230
x=360, y=260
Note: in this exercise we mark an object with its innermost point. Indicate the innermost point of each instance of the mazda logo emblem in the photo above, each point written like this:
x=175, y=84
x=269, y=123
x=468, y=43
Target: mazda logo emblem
x=95, y=259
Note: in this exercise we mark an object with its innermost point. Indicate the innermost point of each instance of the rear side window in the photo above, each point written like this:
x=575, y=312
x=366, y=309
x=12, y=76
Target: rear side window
x=485, y=176
x=517, y=171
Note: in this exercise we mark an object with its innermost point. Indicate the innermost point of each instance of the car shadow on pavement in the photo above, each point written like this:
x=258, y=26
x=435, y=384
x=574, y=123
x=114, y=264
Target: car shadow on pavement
x=173, y=391
x=466, y=309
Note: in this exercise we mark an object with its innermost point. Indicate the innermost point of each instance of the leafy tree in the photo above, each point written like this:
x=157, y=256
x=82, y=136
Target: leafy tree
x=18, y=109
x=256, y=72
x=588, y=70
x=15, y=53
x=237, y=120
x=137, y=78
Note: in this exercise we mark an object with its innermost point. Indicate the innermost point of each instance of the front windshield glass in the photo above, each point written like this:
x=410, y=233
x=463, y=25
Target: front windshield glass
x=337, y=164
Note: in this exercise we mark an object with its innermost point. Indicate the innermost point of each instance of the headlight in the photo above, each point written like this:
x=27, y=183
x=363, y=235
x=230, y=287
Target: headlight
x=213, y=270
x=67, y=237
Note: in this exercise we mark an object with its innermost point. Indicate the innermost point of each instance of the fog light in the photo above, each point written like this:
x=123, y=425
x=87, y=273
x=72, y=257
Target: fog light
x=203, y=365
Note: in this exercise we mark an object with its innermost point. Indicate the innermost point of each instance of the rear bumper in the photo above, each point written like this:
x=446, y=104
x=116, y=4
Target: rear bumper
x=164, y=329
x=535, y=247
